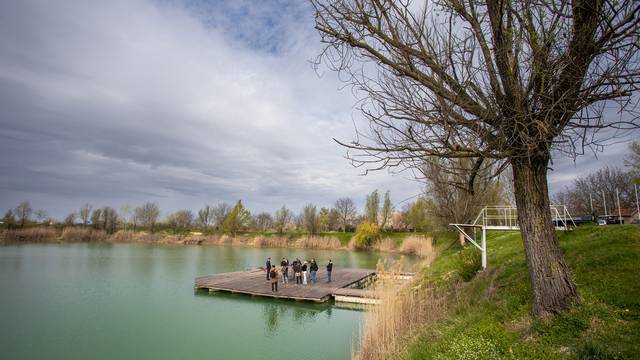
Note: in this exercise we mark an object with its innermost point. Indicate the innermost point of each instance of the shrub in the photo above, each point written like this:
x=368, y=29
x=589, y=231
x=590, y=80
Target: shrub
x=469, y=262
x=366, y=234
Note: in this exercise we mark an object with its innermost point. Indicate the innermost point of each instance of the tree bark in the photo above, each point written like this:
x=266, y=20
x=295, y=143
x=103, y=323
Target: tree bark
x=552, y=287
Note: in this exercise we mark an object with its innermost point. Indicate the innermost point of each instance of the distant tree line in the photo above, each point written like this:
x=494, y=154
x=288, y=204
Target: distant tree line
x=446, y=199
x=343, y=216
x=588, y=194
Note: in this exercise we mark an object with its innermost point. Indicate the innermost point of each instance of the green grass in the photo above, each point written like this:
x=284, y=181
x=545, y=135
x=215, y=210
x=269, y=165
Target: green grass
x=490, y=317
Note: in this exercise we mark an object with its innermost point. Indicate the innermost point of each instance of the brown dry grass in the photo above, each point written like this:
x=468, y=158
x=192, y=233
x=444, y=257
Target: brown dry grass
x=352, y=244
x=386, y=245
x=35, y=234
x=419, y=245
x=268, y=241
x=83, y=234
x=319, y=242
x=134, y=236
x=403, y=309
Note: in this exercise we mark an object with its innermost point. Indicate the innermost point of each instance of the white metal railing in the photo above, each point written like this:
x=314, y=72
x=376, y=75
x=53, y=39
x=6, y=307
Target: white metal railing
x=505, y=217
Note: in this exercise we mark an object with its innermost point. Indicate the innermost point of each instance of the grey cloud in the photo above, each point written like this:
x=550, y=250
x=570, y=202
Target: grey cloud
x=121, y=102
x=179, y=102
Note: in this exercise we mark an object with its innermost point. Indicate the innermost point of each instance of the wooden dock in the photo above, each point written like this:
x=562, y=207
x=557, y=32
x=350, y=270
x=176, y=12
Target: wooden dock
x=254, y=282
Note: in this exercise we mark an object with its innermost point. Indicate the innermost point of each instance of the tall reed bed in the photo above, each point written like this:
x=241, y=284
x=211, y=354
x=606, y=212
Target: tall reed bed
x=319, y=242
x=402, y=310
x=83, y=234
x=386, y=245
x=33, y=234
x=419, y=245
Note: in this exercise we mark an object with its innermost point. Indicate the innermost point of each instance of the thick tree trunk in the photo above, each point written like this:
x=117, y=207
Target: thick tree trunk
x=551, y=284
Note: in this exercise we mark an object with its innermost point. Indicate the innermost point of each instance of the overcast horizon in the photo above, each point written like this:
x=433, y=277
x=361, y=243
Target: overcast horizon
x=183, y=103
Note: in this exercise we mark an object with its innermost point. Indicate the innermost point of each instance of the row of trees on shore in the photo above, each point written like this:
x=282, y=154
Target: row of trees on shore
x=224, y=217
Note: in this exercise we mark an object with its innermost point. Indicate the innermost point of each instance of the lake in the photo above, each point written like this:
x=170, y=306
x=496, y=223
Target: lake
x=108, y=301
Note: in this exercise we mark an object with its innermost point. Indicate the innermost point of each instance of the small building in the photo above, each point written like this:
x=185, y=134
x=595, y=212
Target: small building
x=628, y=215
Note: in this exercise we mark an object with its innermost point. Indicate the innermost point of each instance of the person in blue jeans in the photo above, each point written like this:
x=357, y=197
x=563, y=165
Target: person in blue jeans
x=329, y=270
x=313, y=270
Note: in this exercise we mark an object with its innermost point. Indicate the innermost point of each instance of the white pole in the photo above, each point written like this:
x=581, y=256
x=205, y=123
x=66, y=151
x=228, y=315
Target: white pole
x=619, y=212
x=604, y=200
x=591, y=203
x=484, y=248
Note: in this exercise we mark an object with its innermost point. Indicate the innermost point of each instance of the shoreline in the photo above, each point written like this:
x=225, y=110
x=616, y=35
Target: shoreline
x=76, y=235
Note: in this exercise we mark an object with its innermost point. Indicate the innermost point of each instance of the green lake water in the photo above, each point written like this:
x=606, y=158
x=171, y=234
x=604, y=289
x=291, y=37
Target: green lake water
x=129, y=301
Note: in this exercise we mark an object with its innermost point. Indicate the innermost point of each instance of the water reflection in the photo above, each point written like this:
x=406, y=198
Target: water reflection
x=276, y=312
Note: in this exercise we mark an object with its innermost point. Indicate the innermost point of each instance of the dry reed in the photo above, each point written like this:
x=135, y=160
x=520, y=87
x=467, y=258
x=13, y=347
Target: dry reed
x=401, y=312
x=385, y=245
x=34, y=234
x=319, y=242
x=83, y=234
x=419, y=245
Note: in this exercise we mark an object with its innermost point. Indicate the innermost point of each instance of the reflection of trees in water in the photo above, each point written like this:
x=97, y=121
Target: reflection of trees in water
x=274, y=313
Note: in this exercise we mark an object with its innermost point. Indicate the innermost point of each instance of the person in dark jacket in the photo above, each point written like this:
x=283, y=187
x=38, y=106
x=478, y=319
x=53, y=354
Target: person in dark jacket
x=297, y=268
x=273, y=274
x=285, y=270
x=329, y=270
x=268, y=267
x=314, y=270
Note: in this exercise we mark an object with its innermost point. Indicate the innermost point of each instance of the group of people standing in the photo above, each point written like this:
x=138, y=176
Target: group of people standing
x=299, y=270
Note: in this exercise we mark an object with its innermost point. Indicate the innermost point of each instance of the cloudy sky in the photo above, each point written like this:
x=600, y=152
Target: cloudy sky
x=180, y=102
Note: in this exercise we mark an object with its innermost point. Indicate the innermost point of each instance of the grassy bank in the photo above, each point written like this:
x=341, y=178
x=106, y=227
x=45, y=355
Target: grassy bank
x=489, y=316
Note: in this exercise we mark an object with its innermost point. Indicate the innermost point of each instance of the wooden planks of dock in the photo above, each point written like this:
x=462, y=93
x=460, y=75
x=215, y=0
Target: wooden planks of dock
x=254, y=282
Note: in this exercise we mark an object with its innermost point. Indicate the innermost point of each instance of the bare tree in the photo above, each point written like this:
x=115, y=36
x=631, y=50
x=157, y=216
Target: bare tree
x=633, y=160
x=70, y=219
x=264, y=221
x=9, y=219
x=311, y=219
x=453, y=201
x=206, y=217
x=346, y=211
x=282, y=219
x=181, y=219
x=41, y=215
x=109, y=219
x=96, y=219
x=147, y=215
x=23, y=212
x=495, y=81
x=590, y=189
x=85, y=213
x=220, y=213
